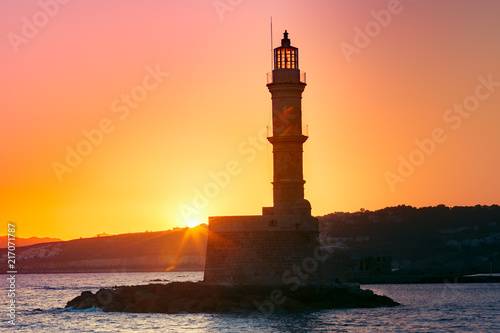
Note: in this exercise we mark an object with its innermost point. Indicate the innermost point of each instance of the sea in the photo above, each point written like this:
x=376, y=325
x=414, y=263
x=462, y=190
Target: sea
x=447, y=307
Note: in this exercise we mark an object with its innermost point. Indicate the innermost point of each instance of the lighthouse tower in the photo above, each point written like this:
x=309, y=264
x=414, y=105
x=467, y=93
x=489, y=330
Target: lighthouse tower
x=286, y=84
x=279, y=247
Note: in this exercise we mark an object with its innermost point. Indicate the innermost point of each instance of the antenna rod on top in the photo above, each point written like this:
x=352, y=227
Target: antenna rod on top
x=272, y=60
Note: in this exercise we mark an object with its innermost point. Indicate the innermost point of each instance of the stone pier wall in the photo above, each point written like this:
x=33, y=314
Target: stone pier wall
x=263, y=250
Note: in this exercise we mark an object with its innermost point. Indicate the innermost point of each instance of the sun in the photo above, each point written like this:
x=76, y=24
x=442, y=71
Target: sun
x=193, y=223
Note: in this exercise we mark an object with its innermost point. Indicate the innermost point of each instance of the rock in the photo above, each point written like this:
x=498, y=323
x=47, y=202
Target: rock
x=131, y=307
x=192, y=306
x=291, y=304
x=178, y=305
x=250, y=298
x=104, y=297
x=85, y=301
x=366, y=292
x=226, y=305
x=207, y=305
x=198, y=297
x=148, y=303
x=246, y=305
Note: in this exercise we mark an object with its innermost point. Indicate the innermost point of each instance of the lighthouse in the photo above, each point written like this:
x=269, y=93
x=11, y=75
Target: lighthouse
x=286, y=84
x=281, y=246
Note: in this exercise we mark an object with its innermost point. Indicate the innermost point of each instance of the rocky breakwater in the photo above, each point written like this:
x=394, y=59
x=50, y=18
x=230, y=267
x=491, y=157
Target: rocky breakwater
x=197, y=297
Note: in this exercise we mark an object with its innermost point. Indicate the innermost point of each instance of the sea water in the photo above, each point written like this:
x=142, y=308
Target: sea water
x=447, y=307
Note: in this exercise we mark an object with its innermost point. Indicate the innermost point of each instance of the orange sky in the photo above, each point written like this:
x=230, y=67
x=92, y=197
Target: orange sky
x=194, y=73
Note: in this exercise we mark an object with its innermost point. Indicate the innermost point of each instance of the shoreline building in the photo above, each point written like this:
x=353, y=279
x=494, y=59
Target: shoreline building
x=280, y=246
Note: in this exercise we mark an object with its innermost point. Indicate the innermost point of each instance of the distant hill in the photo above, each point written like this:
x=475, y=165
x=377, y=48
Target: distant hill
x=430, y=240
x=27, y=241
x=177, y=249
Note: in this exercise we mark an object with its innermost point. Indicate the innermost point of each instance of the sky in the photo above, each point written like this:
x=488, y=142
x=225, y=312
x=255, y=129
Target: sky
x=126, y=116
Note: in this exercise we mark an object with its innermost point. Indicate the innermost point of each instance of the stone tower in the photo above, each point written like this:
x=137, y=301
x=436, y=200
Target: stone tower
x=280, y=246
x=286, y=86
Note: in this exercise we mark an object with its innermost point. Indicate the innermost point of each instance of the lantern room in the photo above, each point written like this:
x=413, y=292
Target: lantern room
x=286, y=56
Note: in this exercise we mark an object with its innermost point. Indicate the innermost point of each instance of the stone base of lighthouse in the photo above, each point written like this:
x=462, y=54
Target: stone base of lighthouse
x=264, y=250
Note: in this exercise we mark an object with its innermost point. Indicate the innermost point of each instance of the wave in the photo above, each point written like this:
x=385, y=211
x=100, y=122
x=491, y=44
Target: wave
x=92, y=309
x=82, y=288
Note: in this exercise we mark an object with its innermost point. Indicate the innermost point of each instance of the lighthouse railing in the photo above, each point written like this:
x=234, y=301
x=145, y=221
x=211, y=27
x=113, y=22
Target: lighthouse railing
x=305, y=129
x=302, y=77
x=269, y=77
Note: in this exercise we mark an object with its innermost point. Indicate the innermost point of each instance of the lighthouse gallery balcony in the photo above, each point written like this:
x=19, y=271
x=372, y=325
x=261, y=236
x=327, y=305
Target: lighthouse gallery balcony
x=291, y=75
